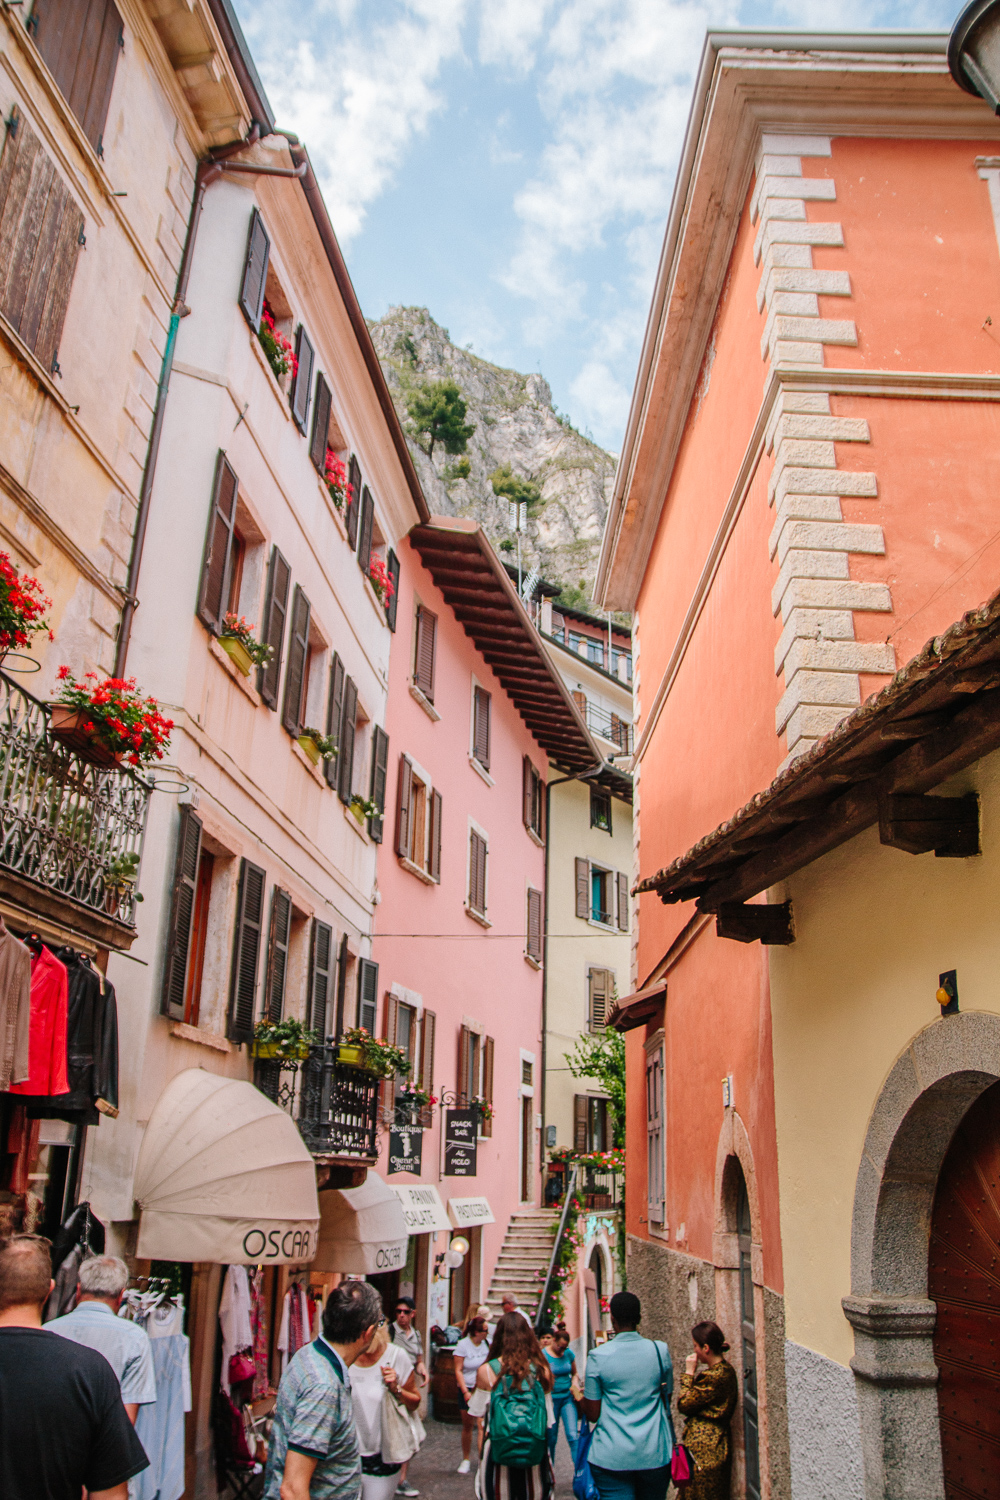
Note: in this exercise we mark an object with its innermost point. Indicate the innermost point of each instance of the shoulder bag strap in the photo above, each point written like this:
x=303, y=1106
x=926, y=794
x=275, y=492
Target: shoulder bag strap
x=663, y=1395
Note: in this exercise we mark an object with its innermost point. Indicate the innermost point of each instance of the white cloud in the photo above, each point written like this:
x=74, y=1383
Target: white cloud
x=602, y=400
x=509, y=32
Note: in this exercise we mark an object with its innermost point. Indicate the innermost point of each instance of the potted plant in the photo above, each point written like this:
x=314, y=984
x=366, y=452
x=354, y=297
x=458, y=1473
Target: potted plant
x=107, y=720
x=335, y=478
x=316, y=745
x=280, y=355
x=22, y=607
x=120, y=876
x=411, y=1101
x=359, y=1049
x=483, y=1108
x=381, y=582
x=363, y=807
x=289, y=1038
x=237, y=640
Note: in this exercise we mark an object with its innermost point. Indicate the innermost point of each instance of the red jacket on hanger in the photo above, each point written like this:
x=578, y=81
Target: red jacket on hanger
x=47, y=1028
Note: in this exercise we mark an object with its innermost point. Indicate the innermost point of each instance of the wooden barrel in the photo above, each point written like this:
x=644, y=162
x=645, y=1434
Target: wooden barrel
x=444, y=1387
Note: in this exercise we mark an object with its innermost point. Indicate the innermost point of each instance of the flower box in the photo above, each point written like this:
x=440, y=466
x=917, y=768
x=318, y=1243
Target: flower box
x=67, y=726
x=237, y=652
x=298, y=1052
x=309, y=747
x=350, y=1057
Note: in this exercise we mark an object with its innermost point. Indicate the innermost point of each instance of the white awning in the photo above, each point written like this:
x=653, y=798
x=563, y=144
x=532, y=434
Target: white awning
x=422, y=1208
x=362, y=1230
x=223, y=1175
x=466, y=1213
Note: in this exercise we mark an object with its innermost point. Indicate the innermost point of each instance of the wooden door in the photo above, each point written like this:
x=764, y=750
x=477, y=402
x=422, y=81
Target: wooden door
x=527, y=1142
x=748, y=1332
x=964, y=1281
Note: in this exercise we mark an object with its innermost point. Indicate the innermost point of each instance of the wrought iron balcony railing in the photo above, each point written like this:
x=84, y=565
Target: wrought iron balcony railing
x=335, y=1108
x=599, y=1187
x=610, y=727
x=63, y=822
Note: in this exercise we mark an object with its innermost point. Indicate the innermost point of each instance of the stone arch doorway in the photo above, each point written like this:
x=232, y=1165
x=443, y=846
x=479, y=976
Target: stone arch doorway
x=927, y=1095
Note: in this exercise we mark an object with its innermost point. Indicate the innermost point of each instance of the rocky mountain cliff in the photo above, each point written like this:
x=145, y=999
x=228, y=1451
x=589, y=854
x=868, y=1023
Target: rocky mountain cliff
x=515, y=425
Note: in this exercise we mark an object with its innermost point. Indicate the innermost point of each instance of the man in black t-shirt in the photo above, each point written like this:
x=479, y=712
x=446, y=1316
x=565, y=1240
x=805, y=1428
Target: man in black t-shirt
x=63, y=1427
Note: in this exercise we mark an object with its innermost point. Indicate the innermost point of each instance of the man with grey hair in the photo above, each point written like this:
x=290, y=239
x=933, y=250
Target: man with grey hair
x=94, y=1322
x=508, y=1304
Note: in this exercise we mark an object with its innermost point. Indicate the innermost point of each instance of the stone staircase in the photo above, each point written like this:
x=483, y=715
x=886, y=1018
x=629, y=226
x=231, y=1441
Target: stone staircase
x=524, y=1258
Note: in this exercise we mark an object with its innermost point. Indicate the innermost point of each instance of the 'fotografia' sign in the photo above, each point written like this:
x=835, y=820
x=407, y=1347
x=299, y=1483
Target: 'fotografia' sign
x=461, y=1131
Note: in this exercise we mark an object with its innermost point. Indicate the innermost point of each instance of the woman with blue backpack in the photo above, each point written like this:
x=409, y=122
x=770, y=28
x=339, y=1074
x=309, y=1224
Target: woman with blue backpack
x=515, y=1462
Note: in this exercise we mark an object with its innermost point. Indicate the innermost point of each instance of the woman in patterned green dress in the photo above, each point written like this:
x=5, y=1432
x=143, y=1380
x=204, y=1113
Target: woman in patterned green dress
x=708, y=1400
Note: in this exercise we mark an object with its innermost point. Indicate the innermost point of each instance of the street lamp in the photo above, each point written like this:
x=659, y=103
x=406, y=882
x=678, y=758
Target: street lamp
x=974, y=51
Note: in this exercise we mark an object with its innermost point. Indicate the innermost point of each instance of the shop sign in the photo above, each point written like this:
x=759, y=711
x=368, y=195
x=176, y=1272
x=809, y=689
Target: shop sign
x=422, y=1208
x=461, y=1132
x=405, y=1149
x=466, y=1213
x=266, y=1244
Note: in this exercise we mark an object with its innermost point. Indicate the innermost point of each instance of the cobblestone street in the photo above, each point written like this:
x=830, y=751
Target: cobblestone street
x=433, y=1470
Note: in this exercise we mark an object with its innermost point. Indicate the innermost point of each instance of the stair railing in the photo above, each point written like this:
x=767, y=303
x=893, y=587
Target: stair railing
x=557, y=1244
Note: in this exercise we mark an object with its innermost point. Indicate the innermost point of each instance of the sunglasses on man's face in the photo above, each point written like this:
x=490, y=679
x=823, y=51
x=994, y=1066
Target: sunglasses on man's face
x=406, y=1310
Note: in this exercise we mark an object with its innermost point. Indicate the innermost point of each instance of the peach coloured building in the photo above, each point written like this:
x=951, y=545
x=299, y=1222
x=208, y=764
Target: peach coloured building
x=806, y=494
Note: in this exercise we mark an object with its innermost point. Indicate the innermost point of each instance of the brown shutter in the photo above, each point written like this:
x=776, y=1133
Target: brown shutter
x=80, y=41
x=623, y=903
x=423, y=660
x=486, y=1128
x=393, y=604
x=255, y=271
x=580, y=699
x=302, y=384
x=367, y=995
x=464, y=1081
x=181, y=914
x=319, y=441
x=435, y=837
x=579, y=1123
x=320, y=976
x=391, y=1019
x=600, y=994
x=365, y=530
x=298, y=663
x=481, y=727
x=246, y=952
x=334, y=714
x=354, y=508
x=345, y=767
x=218, y=546
x=526, y=792
x=477, y=872
x=275, y=608
x=583, y=888
x=342, y=961
x=277, y=954
x=535, y=925
x=404, y=803
x=425, y=1077
x=380, y=767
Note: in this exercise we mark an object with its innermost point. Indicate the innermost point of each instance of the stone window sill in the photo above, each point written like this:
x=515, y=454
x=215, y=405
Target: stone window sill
x=425, y=703
x=535, y=838
x=362, y=833
x=534, y=963
x=279, y=394
x=204, y=1038
x=245, y=684
x=477, y=916
x=415, y=869
x=316, y=772
x=481, y=771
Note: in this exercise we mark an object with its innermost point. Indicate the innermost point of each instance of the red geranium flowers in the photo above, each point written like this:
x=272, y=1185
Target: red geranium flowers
x=22, y=606
x=118, y=715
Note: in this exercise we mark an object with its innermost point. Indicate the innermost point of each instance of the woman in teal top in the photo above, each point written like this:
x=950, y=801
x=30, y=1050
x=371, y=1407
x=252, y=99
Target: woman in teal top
x=631, y=1448
x=564, y=1372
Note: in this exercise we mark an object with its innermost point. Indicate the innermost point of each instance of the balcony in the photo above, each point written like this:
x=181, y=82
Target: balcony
x=600, y=1187
x=335, y=1108
x=610, y=727
x=62, y=823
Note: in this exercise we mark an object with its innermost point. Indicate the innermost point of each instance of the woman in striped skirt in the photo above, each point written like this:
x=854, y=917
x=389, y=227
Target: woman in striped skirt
x=516, y=1360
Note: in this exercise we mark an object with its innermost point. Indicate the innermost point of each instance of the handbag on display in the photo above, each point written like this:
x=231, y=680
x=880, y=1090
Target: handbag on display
x=241, y=1367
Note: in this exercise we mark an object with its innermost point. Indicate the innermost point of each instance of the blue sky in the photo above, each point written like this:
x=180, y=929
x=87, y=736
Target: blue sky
x=508, y=163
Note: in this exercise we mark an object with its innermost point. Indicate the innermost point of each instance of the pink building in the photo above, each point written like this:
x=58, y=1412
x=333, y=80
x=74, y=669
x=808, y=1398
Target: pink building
x=476, y=716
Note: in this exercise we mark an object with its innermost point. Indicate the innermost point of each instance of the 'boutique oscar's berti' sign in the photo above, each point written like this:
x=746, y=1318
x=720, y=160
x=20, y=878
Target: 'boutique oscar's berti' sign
x=461, y=1130
x=405, y=1149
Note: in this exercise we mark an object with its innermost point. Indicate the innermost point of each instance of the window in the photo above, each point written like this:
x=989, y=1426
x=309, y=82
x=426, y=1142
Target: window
x=367, y=994
x=182, y=972
x=319, y=442
x=655, y=1175
x=279, y=577
x=601, y=895
x=622, y=664
x=595, y=651
x=347, y=741
x=591, y=1125
x=302, y=380
x=533, y=947
x=246, y=951
x=233, y=560
x=321, y=966
x=255, y=271
x=481, y=706
x=279, y=937
x=392, y=568
x=80, y=41
x=425, y=641
x=365, y=524
x=376, y=791
x=354, y=504
x=475, y=1071
x=297, y=676
x=42, y=231
x=477, y=873
x=418, y=820
x=532, y=810
x=600, y=808
x=600, y=991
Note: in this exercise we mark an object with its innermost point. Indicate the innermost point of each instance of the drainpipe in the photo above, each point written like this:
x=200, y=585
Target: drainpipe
x=208, y=171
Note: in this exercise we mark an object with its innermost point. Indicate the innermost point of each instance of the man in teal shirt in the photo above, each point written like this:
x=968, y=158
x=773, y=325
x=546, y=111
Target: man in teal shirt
x=631, y=1448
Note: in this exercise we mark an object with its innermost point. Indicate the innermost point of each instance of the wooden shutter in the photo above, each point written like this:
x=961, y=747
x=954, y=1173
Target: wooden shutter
x=481, y=727
x=579, y=1123
x=425, y=1074
x=302, y=384
x=434, y=869
x=246, y=951
x=354, y=508
x=486, y=1128
x=342, y=962
x=380, y=767
x=623, y=903
x=255, y=271
x=535, y=925
x=367, y=994
x=279, y=577
x=80, y=41
x=392, y=568
x=181, y=915
x=345, y=768
x=526, y=792
x=334, y=714
x=365, y=530
x=580, y=699
x=600, y=995
x=41, y=230
x=391, y=1019
x=404, y=807
x=218, y=546
x=319, y=441
x=298, y=662
x=477, y=872
x=424, y=653
x=277, y=953
x=583, y=888
x=464, y=1049
x=320, y=977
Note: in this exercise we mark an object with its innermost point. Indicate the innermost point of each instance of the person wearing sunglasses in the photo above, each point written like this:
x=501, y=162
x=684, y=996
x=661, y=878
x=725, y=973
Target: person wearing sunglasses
x=406, y=1336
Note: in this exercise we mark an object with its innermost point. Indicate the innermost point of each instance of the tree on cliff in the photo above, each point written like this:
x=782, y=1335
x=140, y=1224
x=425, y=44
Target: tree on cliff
x=437, y=415
x=518, y=491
